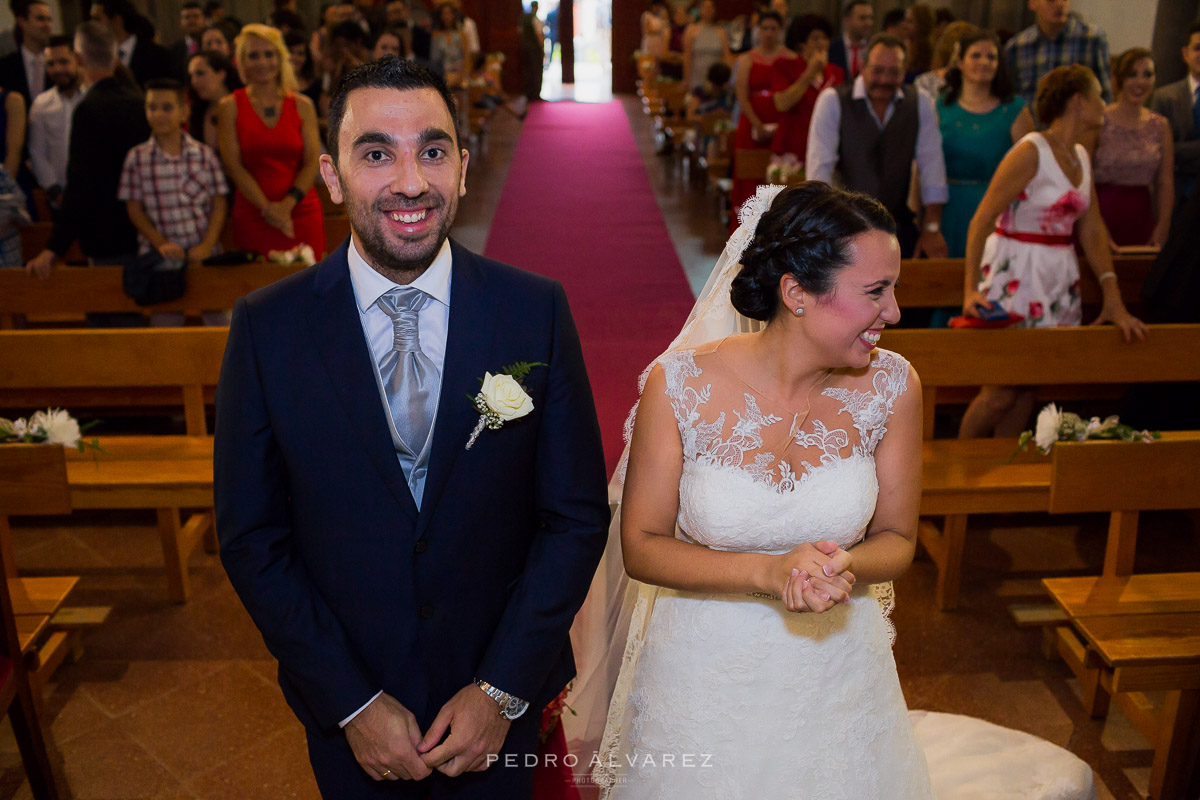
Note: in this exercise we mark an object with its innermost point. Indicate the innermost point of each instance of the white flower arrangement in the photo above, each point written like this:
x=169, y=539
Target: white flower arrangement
x=301, y=253
x=1055, y=425
x=52, y=426
x=502, y=398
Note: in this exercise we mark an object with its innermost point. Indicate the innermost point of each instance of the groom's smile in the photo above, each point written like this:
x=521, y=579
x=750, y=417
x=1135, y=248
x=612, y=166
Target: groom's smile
x=399, y=171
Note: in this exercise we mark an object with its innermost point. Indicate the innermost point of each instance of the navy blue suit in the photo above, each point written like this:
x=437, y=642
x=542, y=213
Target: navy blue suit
x=839, y=56
x=353, y=589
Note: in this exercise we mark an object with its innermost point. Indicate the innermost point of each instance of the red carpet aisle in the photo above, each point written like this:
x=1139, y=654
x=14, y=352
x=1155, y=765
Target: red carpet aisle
x=578, y=207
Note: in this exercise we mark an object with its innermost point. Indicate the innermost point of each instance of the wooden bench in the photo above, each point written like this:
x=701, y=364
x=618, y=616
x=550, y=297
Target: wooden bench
x=1129, y=635
x=33, y=481
x=965, y=478
x=75, y=290
x=938, y=283
x=107, y=367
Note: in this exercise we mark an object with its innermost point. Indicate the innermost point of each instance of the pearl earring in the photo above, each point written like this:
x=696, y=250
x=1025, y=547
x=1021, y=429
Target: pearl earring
x=799, y=312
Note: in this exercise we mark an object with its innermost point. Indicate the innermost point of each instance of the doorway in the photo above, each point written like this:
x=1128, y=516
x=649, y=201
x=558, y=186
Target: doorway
x=592, y=40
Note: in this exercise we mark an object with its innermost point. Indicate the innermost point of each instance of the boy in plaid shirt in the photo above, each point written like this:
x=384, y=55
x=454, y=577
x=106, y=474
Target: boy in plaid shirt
x=172, y=185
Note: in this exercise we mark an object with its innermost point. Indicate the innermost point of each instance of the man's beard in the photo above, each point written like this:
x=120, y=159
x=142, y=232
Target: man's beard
x=367, y=223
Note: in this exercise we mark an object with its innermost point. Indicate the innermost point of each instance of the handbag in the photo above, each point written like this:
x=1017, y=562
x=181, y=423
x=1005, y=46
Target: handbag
x=149, y=278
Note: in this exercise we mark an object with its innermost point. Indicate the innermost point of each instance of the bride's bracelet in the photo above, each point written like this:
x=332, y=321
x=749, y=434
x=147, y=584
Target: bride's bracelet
x=764, y=595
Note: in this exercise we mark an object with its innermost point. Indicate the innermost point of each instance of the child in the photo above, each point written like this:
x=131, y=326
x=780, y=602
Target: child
x=714, y=95
x=174, y=189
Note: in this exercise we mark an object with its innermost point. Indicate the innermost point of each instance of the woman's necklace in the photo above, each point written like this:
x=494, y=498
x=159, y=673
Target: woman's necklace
x=799, y=419
x=268, y=111
x=1062, y=150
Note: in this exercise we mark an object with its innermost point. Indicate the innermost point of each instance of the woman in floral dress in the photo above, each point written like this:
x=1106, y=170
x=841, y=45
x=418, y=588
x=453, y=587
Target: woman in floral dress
x=1020, y=248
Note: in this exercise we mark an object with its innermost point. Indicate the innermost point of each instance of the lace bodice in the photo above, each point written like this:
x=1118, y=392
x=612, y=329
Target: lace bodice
x=800, y=476
x=1129, y=156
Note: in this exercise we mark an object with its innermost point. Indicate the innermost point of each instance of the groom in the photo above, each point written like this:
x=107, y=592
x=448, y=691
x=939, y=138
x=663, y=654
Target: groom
x=417, y=592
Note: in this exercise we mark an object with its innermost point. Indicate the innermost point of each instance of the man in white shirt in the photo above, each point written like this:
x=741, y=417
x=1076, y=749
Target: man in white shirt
x=870, y=131
x=50, y=118
x=24, y=71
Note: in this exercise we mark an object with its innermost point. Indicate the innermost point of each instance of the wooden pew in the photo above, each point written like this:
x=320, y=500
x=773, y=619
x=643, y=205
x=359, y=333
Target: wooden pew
x=106, y=366
x=1130, y=635
x=98, y=290
x=964, y=478
x=160, y=472
x=937, y=283
x=33, y=481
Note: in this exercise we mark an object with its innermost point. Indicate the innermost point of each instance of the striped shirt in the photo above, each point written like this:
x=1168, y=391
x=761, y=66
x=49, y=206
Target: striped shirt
x=175, y=191
x=1031, y=54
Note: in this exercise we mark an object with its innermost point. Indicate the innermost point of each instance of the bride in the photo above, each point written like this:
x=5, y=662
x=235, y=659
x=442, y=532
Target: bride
x=771, y=494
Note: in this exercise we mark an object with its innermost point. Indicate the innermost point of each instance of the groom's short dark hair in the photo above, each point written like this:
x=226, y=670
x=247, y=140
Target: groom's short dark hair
x=389, y=72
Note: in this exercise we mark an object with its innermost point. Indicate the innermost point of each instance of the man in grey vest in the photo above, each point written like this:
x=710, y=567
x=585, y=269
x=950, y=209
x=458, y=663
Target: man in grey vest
x=870, y=131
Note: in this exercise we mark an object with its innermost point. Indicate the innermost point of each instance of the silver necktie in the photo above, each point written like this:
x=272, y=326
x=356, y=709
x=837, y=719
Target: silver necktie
x=410, y=378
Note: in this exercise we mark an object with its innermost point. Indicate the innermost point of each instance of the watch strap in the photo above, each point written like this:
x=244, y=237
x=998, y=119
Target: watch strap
x=510, y=706
x=295, y=194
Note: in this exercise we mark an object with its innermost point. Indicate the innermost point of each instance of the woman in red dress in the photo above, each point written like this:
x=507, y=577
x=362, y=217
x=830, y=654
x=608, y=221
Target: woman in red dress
x=270, y=144
x=810, y=34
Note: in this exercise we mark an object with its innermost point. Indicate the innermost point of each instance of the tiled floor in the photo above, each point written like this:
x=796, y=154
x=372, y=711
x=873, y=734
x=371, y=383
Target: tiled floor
x=181, y=701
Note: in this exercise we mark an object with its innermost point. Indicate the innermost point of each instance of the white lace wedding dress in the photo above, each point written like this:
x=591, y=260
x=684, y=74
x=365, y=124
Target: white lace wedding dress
x=728, y=696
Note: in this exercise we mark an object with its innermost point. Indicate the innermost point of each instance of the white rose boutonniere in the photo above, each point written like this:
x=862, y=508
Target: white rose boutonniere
x=502, y=398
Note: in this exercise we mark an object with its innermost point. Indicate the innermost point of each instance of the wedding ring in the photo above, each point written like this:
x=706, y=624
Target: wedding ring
x=385, y=773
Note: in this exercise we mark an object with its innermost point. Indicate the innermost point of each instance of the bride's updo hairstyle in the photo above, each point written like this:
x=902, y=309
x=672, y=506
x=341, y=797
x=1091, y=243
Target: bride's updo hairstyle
x=805, y=233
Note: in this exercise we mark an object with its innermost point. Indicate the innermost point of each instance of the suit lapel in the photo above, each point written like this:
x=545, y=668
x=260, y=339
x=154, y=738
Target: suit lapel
x=337, y=333
x=469, y=339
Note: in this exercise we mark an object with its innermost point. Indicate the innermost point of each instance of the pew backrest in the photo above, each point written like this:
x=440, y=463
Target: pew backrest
x=1126, y=476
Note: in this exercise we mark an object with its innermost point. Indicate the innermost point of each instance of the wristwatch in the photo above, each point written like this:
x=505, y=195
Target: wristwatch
x=511, y=706
x=932, y=227
x=295, y=194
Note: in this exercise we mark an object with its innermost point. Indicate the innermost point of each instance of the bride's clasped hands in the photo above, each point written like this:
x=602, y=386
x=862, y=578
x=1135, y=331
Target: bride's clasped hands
x=817, y=576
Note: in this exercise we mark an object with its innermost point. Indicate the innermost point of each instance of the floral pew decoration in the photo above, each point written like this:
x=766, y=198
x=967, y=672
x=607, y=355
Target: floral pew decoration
x=1055, y=425
x=52, y=426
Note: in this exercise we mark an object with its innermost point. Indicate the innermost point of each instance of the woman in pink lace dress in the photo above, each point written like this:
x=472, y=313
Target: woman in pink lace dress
x=1020, y=250
x=1134, y=157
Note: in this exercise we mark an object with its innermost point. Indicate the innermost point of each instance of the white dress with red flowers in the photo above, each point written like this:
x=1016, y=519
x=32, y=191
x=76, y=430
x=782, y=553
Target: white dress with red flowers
x=1029, y=265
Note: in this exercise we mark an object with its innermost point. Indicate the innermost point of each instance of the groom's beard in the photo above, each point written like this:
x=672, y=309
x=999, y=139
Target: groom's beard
x=386, y=253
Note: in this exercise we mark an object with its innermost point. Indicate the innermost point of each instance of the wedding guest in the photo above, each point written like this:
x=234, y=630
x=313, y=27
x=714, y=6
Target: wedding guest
x=286, y=21
x=894, y=24
x=1020, y=249
x=1134, y=158
x=849, y=51
x=449, y=50
x=945, y=52
x=705, y=43
x=389, y=42
x=24, y=71
x=307, y=79
x=1179, y=102
x=980, y=118
x=470, y=32
x=174, y=190
x=656, y=29
x=759, y=75
x=108, y=121
x=869, y=132
x=1056, y=39
x=346, y=49
x=533, y=52
x=192, y=23
x=214, y=40
x=134, y=34
x=918, y=22
x=813, y=34
x=212, y=78
x=270, y=144
x=714, y=95
x=50, y=118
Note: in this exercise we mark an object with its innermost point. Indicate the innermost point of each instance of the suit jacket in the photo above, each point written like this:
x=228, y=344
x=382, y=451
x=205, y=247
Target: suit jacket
x=13, y=78
x=150, y=60
x=1174, y=101
x=839, y=56
x=108, y=121
x=353, y=588
x=179, y=56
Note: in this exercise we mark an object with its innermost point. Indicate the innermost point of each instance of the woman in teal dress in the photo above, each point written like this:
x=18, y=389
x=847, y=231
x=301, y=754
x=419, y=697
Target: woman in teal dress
x=980, y=119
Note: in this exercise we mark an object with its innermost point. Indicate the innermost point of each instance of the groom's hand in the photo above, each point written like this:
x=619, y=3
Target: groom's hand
x=476, y=731
x=384, y=739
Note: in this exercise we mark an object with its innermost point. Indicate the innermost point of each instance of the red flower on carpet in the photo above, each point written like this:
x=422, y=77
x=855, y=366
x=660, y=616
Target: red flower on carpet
x=1036, y=311
x=1060, y=217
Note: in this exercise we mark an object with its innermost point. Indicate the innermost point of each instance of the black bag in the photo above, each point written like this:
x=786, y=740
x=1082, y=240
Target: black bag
x=150, y=278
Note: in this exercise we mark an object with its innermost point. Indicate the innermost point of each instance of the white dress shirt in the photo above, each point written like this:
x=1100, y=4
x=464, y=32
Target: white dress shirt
x=35, y=71
x=50, y=135
x=125, y=49
x=824, y=136
x=432, y=324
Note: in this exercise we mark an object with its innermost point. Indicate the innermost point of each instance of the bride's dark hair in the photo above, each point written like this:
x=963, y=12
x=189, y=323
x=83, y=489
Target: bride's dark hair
x=804, y=234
